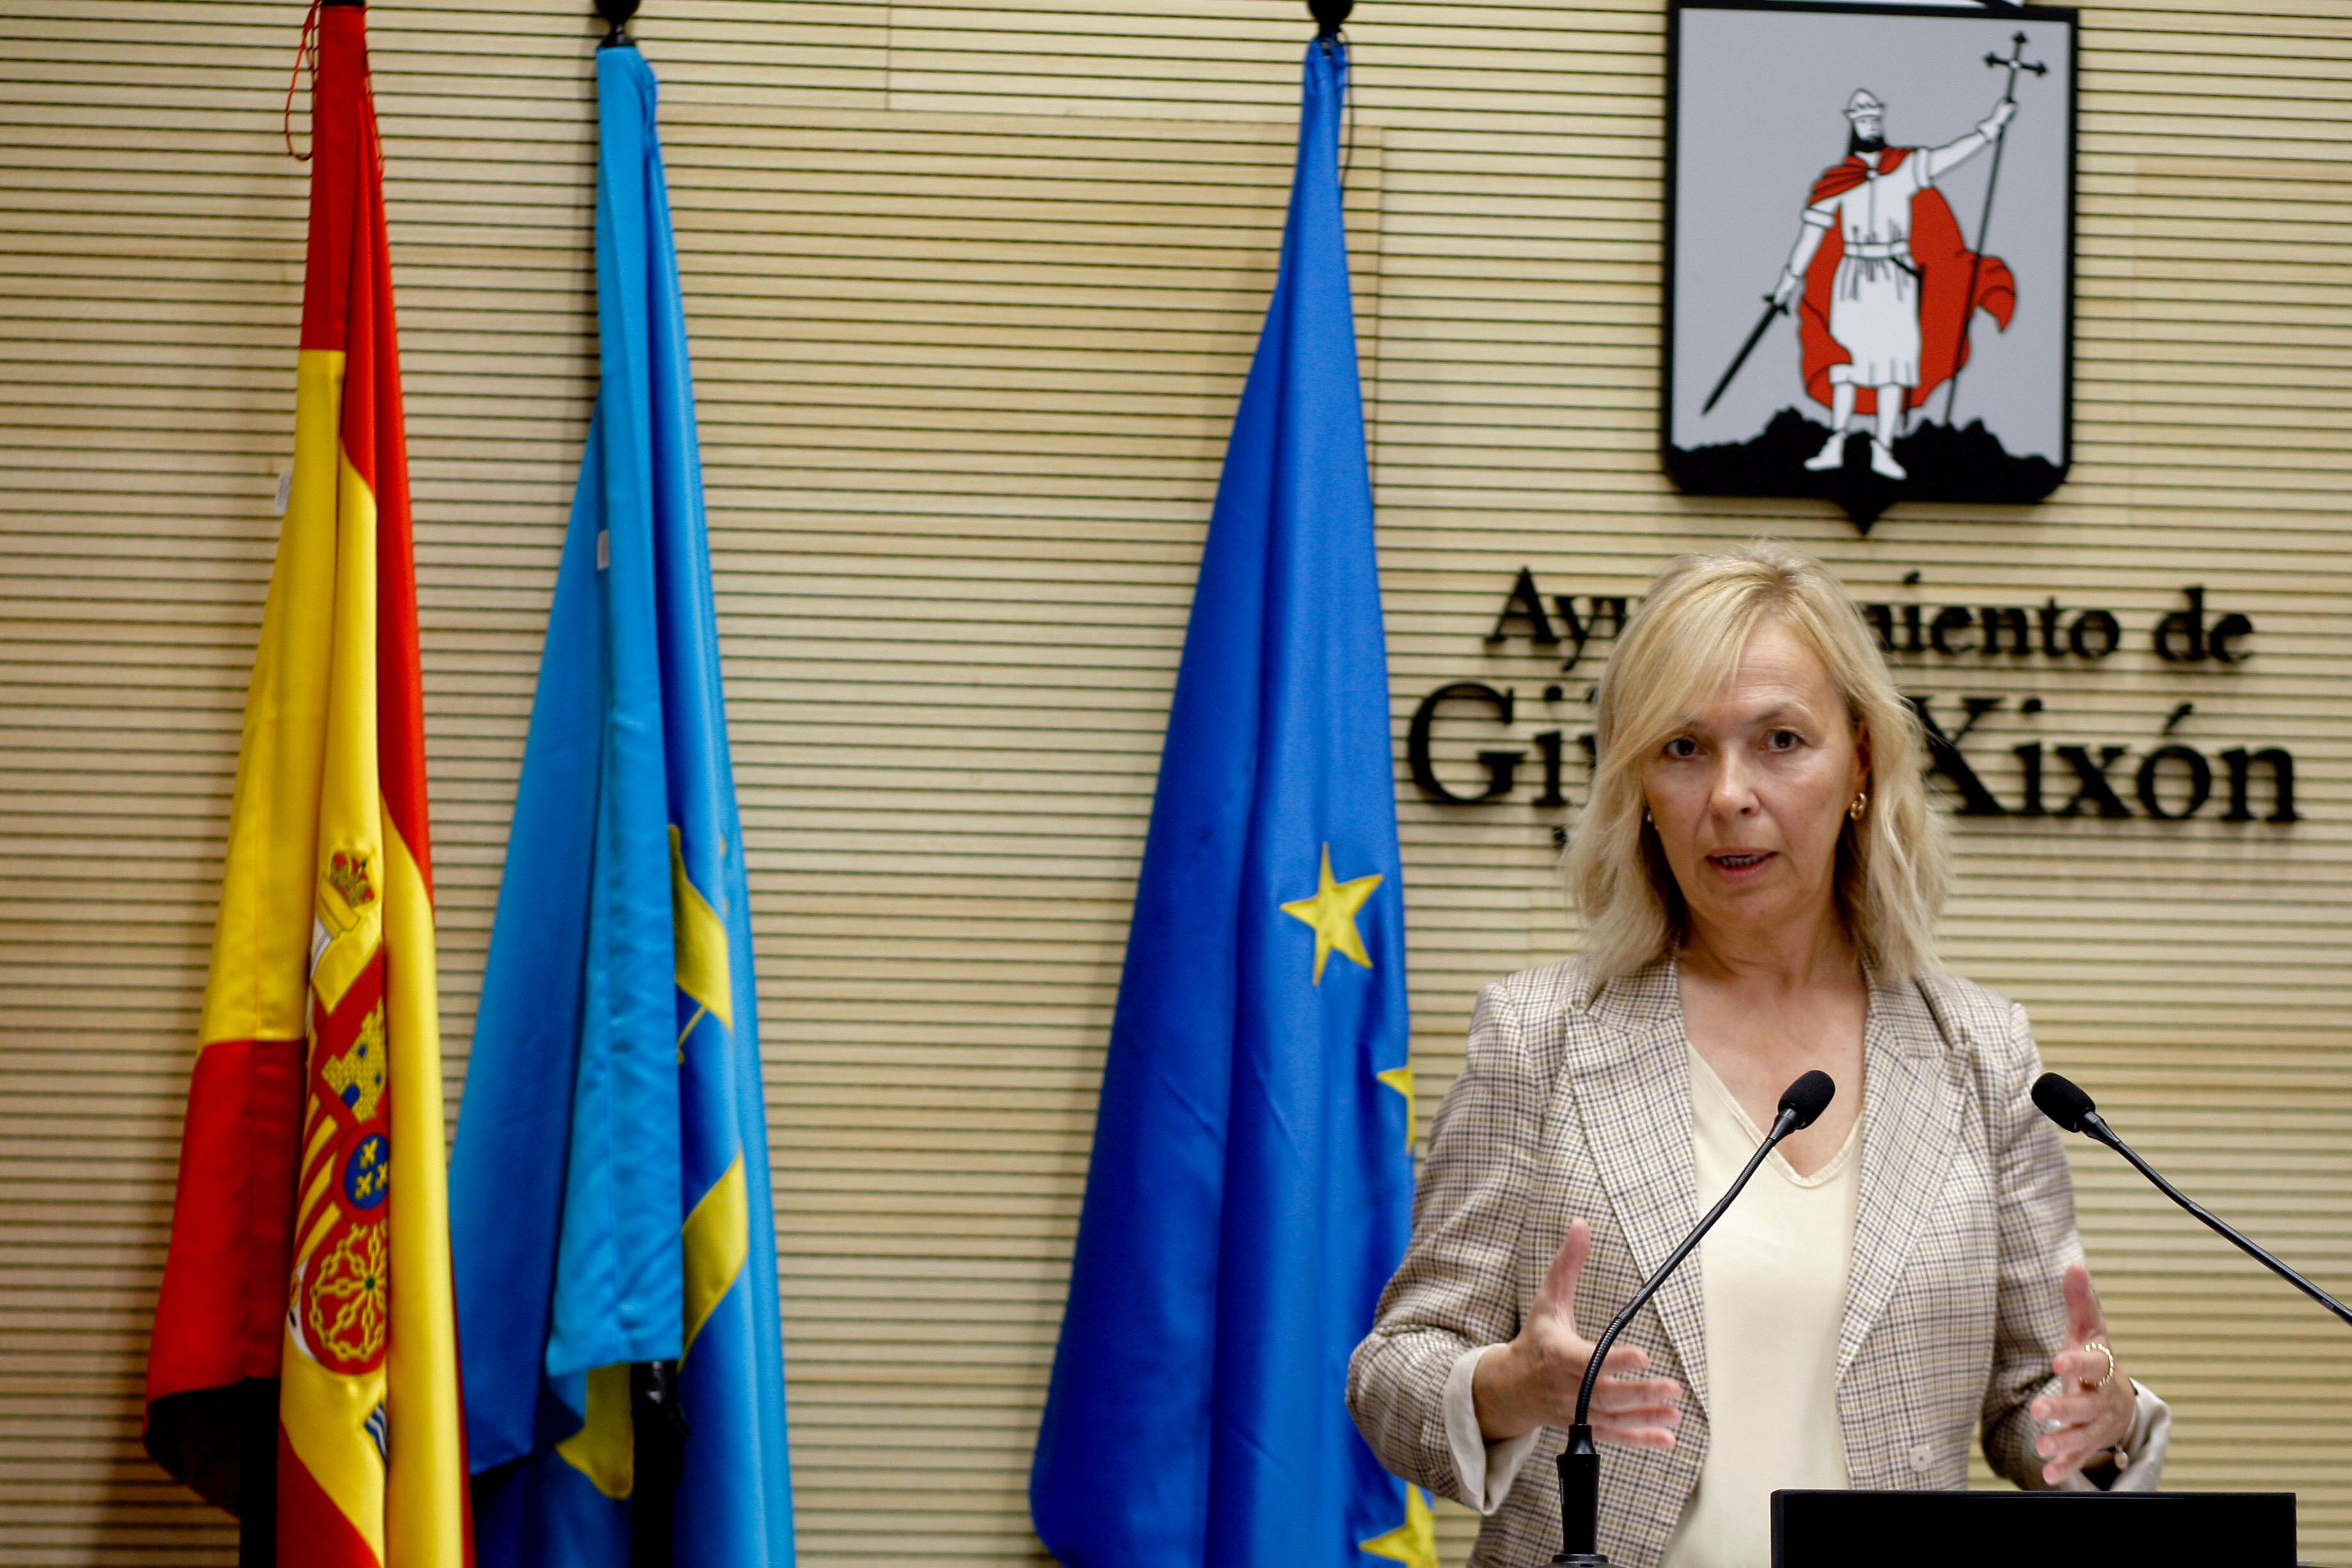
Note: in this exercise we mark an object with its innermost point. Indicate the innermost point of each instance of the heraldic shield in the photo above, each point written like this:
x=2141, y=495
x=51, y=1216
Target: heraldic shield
x=1870, y=252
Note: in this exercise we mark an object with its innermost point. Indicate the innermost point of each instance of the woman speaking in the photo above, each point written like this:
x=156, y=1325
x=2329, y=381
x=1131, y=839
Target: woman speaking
x=1759, y=874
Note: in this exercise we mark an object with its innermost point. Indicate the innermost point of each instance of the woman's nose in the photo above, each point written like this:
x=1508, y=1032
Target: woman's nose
x=1734, y=793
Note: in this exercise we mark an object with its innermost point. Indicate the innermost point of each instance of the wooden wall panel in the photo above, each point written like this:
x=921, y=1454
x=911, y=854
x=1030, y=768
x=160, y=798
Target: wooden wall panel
x=971, y=289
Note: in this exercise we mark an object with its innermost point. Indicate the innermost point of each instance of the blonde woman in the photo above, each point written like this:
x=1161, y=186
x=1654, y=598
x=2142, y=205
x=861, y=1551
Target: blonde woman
x=1758, y=874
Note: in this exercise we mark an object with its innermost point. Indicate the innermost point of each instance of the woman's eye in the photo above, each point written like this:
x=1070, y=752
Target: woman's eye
x=1785, y=740
x=1682, y=746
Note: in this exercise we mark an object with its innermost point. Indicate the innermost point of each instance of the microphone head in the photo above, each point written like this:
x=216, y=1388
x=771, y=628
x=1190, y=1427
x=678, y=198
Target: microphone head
x=2064, y=1101
x=1808, y=1097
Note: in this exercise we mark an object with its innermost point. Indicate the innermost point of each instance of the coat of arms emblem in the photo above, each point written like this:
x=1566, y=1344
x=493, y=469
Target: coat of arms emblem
x=1870, y=243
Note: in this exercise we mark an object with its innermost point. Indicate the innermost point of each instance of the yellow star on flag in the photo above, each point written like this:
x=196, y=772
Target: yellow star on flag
x=1332, y=912
x=1401, y=1079
x=1413, y=1542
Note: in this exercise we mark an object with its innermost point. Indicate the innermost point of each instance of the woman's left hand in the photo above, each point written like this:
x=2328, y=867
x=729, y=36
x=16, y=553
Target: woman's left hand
x=2085, y=1419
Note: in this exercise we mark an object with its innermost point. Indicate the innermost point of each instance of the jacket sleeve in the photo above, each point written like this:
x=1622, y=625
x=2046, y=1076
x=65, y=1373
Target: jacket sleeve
x=2038, y=1240
x=1454, y=1291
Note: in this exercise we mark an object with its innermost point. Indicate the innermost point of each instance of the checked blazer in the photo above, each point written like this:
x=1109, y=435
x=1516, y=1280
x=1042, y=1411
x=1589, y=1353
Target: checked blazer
x=1576, y=1100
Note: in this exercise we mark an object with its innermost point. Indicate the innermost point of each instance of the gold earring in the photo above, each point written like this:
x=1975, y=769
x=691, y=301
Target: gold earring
x=1860, y=804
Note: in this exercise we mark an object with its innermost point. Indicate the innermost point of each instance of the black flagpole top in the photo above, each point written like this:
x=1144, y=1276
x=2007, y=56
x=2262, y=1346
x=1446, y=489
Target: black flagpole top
x=617, y=15
x=1328, y=16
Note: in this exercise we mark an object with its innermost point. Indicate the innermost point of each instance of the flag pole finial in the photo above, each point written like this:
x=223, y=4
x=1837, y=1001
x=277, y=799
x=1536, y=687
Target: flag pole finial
x=617, y=15
x=1328, y=16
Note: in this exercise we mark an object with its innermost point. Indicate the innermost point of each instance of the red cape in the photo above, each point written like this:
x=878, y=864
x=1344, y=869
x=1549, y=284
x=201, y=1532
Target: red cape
x=1944, y=265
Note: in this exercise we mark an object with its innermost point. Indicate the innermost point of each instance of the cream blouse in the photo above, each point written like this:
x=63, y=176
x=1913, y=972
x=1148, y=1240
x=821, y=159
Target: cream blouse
x=1775, y=1273
x=1774, y=1267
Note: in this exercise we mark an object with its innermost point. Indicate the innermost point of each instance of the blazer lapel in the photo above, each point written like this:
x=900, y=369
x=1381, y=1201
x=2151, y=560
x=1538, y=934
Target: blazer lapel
x=1629, y=1068
x=1910, y=1118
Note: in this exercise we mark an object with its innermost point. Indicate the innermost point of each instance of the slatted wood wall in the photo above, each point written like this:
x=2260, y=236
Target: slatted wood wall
x=972, y=288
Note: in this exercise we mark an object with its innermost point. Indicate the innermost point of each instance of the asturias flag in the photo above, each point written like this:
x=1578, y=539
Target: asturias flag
x=306, y=1324
x=611, y=1176
x=1252, y=1178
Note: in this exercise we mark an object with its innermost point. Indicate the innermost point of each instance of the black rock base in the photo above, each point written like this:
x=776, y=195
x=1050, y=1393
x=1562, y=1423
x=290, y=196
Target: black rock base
x=1968, y=463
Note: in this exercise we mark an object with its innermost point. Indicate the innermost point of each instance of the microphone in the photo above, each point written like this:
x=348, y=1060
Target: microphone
x=2062, y=1100
x=1579, y=1462
x=2065, y=1103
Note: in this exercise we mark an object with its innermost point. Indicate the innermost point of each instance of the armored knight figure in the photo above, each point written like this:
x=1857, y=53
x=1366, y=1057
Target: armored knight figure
x=1862, y=314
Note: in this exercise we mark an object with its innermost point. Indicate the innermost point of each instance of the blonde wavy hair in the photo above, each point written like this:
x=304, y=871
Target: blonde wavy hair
x=1679, y=649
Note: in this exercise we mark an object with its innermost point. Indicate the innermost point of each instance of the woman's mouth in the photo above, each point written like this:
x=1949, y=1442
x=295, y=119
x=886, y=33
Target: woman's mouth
x=1740, y=865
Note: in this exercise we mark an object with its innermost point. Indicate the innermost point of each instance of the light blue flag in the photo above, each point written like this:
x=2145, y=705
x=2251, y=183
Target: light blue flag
x=609, y=1199
x=1252, y=1179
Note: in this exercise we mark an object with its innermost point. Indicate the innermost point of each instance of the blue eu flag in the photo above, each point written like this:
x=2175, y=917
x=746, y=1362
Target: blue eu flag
x=1252, y=1178
x=609, y=1199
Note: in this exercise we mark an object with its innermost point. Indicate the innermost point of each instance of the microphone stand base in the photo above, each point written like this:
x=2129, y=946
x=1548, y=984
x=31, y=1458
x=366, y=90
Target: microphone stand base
x=1580, y=1502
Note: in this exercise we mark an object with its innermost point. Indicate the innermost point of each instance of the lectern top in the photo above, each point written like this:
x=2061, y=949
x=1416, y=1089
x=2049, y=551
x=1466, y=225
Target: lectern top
x=2030, y=1529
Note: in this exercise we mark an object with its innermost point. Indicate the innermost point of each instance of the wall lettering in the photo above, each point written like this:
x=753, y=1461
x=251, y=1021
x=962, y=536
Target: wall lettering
x=2165, y=779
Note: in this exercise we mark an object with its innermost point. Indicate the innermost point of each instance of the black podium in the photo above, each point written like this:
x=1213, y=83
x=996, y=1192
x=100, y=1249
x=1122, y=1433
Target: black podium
x=2030, y=1529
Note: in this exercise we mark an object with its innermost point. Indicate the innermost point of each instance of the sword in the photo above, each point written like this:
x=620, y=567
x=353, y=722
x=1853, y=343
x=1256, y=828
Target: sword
x=1771, y=307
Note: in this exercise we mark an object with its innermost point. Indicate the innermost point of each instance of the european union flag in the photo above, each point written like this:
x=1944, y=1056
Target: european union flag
x=1252, y=1178
x=609, y=1192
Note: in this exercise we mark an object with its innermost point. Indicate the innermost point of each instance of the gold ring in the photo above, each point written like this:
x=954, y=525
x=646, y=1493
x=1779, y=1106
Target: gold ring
x=2096, y=1345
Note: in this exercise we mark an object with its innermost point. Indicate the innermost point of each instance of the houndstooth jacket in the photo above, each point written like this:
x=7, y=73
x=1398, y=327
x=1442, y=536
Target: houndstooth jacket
x=1576, y=1101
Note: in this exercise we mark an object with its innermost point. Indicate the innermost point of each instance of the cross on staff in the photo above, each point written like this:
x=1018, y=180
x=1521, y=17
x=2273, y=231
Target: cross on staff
x=2013, y=62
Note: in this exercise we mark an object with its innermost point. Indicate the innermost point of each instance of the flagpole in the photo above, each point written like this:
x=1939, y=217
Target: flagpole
x=617, y=15
x=658, y=1426
x=658, y=1432
x=256, y=1520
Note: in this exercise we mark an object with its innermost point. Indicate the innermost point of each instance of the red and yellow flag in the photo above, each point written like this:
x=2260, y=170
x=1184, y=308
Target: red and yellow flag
x=304, y=1364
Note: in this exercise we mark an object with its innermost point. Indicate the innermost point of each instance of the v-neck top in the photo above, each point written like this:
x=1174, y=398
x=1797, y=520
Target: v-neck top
x=1773, y=1278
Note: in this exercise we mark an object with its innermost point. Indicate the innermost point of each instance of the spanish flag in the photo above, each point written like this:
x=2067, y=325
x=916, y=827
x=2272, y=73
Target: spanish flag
x=303, y=1372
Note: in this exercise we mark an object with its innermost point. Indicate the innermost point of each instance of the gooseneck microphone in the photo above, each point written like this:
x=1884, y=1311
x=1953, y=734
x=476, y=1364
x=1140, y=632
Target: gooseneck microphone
x=2065, y=1103
x=1579, y=1462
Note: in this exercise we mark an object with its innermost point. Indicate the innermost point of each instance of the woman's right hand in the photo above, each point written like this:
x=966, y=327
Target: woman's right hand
x=1533, y=1381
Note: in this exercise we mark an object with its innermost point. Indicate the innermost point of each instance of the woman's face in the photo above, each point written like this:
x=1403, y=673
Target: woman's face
x=1748, y=796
